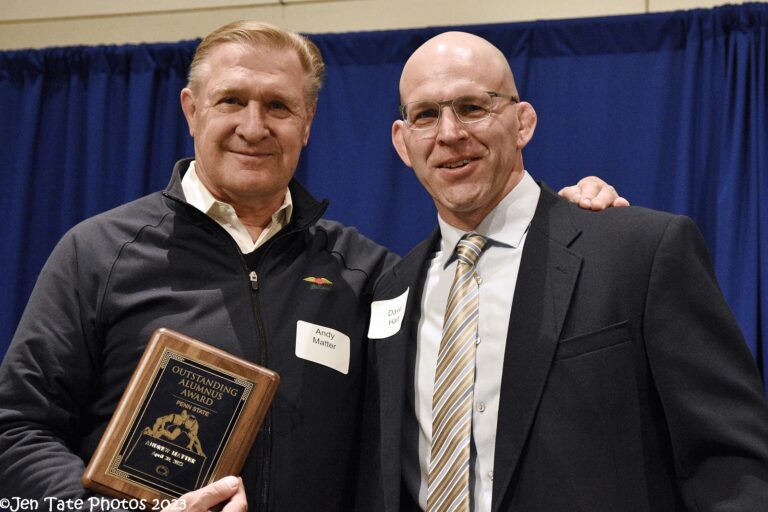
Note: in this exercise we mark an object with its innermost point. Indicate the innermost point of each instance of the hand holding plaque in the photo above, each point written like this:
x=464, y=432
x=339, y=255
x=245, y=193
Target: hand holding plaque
x=187, y=418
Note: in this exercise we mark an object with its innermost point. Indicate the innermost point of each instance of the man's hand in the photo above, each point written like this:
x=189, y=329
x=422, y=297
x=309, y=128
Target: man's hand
x=592, y=193
x=229, y=489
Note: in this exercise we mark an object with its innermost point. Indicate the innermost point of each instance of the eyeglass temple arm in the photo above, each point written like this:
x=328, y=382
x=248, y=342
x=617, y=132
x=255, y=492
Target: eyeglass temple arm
x=512, y=98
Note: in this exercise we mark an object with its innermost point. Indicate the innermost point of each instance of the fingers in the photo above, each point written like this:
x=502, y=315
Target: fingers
x=595, y=193
x=592, y=193
x=621, y=202
x=238, y=502
x=228, y=489
x=604, y=198
x=571, y=194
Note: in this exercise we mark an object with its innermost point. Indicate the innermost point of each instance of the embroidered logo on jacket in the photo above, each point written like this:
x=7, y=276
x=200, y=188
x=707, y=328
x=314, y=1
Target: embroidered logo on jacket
x=319, y=283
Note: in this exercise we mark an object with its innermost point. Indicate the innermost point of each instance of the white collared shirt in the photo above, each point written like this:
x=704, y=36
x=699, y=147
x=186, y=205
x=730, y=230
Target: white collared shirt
x=506, y=228
x=224, y=214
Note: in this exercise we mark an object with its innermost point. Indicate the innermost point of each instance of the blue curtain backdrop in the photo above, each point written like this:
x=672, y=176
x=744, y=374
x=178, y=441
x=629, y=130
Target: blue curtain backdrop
x=671, y=108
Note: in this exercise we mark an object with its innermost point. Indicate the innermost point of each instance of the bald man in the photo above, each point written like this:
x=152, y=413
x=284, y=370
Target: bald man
x=539, y=357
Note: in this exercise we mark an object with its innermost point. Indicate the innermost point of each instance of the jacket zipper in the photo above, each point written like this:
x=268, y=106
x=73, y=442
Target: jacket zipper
x=266, y=427
x=266, y=451
x=253, y=279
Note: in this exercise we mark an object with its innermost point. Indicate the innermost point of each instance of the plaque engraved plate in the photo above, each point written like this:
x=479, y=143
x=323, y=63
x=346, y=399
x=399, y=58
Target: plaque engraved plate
x=187, y=418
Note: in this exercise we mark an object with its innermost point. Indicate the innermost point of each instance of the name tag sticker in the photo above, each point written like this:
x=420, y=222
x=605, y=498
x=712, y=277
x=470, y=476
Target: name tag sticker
x=322, y=345
x=387, y=316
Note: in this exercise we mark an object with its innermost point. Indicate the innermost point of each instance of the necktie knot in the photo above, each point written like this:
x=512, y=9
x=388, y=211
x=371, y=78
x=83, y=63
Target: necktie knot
x=469, y=248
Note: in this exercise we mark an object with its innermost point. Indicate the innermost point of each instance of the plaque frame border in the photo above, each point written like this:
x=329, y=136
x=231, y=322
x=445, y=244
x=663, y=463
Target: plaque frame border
x=98, y=477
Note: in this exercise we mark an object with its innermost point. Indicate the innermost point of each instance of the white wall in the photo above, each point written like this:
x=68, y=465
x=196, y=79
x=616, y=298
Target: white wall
x=43, y=23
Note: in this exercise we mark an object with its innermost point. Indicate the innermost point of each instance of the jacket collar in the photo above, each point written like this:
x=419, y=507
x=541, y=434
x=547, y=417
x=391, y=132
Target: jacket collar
x=306, y=209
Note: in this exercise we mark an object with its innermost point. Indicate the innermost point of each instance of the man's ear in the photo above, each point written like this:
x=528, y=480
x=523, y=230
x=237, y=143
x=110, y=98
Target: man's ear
x=398, y=134
x=526, y=123
x=189, y=108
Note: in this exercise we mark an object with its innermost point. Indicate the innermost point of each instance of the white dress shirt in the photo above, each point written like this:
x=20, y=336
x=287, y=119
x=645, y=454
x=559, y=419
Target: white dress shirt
x=506, y=228
x=224, y=214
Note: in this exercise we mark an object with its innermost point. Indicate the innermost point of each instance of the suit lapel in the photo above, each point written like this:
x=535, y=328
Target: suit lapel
x=394, y=367
x=547, y=276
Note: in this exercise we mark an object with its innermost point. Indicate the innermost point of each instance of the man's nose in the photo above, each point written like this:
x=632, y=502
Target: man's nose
x=252, y=125
x=449, y=128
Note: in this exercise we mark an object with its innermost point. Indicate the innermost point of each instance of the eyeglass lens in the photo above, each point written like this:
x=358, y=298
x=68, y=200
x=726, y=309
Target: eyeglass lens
x=468, y=109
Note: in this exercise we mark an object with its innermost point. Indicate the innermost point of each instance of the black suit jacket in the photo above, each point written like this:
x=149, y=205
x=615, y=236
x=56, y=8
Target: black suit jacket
x=627, y=385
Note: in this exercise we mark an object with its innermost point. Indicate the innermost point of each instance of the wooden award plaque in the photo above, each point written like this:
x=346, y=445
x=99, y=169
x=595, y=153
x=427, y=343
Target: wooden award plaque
x=188, y=417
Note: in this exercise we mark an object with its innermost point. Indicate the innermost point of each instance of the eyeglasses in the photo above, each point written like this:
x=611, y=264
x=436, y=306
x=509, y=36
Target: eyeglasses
x=472, y=108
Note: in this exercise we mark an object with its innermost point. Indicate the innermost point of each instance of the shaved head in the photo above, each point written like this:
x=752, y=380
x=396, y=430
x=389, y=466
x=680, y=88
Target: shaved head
x=449, y=52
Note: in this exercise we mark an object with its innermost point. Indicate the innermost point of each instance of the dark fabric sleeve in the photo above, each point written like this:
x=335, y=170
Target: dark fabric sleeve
x=46, y=381
x=706, y=378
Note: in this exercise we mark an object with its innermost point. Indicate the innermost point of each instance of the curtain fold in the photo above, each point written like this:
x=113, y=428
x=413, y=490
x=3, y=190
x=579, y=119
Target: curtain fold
x=671, y=108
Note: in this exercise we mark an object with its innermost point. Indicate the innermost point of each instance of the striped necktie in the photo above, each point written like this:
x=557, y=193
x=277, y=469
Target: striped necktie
x=448, y=483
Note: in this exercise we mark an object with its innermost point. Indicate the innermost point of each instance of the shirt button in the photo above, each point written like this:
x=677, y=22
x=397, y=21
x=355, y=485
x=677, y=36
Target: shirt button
x=479, y=280
x=481, y=407
x=477, y=341
x=490, y=475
